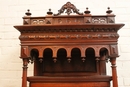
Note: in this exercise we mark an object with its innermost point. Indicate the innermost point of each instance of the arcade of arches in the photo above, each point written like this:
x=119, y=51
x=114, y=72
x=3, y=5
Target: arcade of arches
x=73, y=63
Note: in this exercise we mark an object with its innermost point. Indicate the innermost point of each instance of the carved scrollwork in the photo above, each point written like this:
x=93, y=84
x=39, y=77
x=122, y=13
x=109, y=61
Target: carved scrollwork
x=37, y=21
x=69, y=36
x=99, y=20
x=69, y=9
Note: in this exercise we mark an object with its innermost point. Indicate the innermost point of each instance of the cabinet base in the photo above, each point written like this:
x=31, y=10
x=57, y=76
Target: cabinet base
x=90, y=81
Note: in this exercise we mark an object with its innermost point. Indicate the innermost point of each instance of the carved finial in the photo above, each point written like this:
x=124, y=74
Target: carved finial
x=28, y=13
x=109, y=11
x=49, y=12
x=87, y=11
x=69, y=9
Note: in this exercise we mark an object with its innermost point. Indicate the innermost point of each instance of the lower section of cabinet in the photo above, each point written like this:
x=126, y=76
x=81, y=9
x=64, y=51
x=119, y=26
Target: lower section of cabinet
x=90, y=81
x=90, y=84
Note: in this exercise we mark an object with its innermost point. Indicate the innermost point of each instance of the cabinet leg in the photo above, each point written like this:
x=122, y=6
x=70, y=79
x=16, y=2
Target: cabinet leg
x=24, y=76
x=114, y=72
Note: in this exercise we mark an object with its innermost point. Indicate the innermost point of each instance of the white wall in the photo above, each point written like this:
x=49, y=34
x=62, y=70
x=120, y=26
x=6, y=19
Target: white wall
x=12, y=11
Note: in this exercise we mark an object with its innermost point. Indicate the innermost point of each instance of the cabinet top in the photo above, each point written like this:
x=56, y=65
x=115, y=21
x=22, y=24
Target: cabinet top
x=69, y=14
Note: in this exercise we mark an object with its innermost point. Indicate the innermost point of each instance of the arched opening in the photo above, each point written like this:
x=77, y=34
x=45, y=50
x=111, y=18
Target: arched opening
x=47, y=54
x=75, y=53
x=47, y=60
x=60, y=65
x=103, y=57
x=76, y=60
x=34, y=54
x=61, y=55
x=103, y=52
x=90, y=63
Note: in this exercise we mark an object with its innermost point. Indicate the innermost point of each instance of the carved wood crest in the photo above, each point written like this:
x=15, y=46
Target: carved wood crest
x=69, y=8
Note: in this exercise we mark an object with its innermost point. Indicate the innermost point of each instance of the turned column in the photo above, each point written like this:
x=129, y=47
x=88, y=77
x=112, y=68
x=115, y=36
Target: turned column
x=114, y=72
x=103, y=65
x=24, y=76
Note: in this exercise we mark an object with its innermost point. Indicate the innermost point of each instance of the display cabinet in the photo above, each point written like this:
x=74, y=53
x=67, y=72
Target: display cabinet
x=69, y=49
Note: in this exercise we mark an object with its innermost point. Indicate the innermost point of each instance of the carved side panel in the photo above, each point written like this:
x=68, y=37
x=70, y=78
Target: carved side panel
x=87, y=19
x=24, y=52
x=111, y=20
x=48, y=20
x=114, y=50
x=26, y=21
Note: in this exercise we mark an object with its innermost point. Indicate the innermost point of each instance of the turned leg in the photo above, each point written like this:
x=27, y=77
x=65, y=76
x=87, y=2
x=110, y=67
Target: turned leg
x=114, y=73
x=24, y=76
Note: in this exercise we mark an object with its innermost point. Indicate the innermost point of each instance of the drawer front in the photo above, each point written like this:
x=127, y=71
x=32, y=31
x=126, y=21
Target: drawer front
x=87, y=84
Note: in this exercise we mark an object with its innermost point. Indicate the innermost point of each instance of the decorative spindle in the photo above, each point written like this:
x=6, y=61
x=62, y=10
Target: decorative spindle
x=54, y=60
x=97, y=59
x=49, y=12
x=40, y=60
x=28, y=13
x=107, y=59
x=109, y=11
x=32, y=59
x=83, y=59
x=69, y=59
x=87, y=11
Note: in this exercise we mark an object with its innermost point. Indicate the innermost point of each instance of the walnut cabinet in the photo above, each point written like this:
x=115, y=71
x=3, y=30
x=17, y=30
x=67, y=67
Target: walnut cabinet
x=69, y=50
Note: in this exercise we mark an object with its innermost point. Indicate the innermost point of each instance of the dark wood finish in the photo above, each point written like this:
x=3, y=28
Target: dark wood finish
x=89, y=81
x=69, y=50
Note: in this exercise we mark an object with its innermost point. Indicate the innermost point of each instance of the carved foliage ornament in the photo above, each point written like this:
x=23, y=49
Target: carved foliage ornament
x=69, y=8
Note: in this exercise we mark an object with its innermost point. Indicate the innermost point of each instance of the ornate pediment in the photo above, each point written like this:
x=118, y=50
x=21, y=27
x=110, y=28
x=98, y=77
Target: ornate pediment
x=68, y=8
